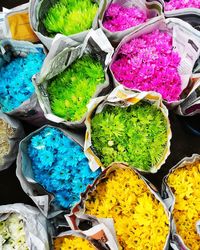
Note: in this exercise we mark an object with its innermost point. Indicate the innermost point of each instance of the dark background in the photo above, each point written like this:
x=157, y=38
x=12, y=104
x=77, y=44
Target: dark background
x=184, y=143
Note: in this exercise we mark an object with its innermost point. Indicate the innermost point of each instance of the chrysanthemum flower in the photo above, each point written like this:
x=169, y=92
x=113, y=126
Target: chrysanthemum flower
x=118, y=17
x=16, y=80
x=136, y=135
x=69, y=17
x=71, y=91
x=6, y=131
x=140, y=219
x=148, y=63
x=181, y=4
x=185, y=185
x=12, y=233
x=72, y=243
x=60, y=166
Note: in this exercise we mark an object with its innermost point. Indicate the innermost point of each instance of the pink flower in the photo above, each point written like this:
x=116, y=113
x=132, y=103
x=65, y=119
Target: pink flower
x=181, y=4
x=148, y=63
x=118, y=17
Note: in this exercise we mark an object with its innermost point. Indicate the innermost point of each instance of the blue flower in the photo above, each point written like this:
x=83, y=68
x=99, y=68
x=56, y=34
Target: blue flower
x=60, y=166
x=16, y=80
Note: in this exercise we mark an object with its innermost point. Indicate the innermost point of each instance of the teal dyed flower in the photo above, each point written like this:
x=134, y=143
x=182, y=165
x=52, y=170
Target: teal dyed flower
x=60, y=166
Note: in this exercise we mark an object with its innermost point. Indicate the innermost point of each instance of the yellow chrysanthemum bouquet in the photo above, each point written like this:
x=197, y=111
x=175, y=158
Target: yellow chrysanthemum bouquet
x=140, y=218
x=181, y=192
x=73, y=243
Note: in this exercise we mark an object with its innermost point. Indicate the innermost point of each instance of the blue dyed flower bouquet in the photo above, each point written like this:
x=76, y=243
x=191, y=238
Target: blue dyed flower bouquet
x=53, y=169
x=19, y=62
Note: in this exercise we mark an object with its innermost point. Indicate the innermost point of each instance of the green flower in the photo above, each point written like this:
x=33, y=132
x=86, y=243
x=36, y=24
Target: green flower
x=70, y=16
x=71, y=91
x=136, y=135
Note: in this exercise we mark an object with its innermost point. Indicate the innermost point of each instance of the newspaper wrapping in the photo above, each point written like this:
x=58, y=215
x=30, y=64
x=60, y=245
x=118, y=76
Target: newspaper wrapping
x=15, y=24
x=190, y=15
x=15, y=136
x=123, y=98
x=35, y=224
x=99, y=232
x=63, y=53
x=186, y=41
x=169, y=199
x=191, y=105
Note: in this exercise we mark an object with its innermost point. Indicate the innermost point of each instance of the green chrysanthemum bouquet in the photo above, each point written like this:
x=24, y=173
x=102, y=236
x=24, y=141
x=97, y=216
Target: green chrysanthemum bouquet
x=69, y=17
x=70, y=91
x=72, y=75
x=128, y=127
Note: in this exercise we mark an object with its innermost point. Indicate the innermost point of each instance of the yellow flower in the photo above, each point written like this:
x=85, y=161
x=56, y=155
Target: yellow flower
x=72, y=243
x=140, y=219
x=185, y=184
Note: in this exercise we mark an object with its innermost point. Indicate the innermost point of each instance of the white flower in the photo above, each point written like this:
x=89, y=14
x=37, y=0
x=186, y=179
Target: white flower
x=12, y=234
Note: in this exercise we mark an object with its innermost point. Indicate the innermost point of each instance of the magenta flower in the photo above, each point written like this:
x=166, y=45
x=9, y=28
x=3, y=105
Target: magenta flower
x=148, y=63
x=118, y=17
x=181, y=4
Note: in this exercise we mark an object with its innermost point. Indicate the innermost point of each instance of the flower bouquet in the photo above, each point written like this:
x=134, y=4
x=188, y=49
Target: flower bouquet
x=71, y=75
x=153, y=59
x=182, y=196
x=73, y=243
x=140, y=218
x=128, y=127
x=19, y=63
x=22, y=227
x=53, y=169
x=181, y=8
x=11, y=133
x=72, y=18
x=119, y=18
x=98, y=236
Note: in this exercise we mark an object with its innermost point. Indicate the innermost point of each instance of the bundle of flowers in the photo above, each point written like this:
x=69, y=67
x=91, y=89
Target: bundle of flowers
x=70, y=91
x=11, y=132
x=183, y=181
x=136, y=135
x=16, y=79
x=58, y=165
x=6, y=132
x=140, y=219
x=118, y=17
x=136, y=132
x=22, y=227
x=73, y=243
x=149, y=63
x=181, y=4
x=12, y=233
x=62, y=16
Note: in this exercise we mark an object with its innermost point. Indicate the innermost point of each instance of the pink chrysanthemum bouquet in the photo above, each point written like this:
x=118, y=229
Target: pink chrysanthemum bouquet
x=118, y=17
x=181, y=4
x=155, y=58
